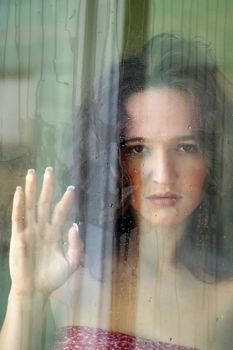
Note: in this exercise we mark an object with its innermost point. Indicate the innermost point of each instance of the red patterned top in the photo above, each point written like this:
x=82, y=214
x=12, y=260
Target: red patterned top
x=86, y=338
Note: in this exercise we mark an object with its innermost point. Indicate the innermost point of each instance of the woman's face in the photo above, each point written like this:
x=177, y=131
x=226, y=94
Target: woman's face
x=162, y=157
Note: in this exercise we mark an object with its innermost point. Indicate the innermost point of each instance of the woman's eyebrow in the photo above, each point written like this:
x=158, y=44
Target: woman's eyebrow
x=192, y=137
x=132, y=139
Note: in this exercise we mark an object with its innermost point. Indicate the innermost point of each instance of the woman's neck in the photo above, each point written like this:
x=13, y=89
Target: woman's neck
x=158, y=245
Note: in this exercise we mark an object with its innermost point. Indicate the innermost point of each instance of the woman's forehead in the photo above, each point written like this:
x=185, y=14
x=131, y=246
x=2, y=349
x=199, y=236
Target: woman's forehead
x=161, y=112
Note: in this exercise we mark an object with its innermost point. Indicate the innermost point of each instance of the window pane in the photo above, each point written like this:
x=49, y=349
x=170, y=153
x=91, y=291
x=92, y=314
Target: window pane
x=130, y=102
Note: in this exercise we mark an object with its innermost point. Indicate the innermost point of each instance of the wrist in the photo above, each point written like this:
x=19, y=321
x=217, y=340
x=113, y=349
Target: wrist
x=27, y=299
x=25, y=318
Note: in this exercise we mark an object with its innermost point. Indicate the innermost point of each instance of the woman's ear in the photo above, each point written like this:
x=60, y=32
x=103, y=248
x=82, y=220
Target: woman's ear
x=124, y=171
x=211, y=186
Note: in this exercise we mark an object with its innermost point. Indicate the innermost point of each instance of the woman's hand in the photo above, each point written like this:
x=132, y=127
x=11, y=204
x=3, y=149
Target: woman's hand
x=38, y=262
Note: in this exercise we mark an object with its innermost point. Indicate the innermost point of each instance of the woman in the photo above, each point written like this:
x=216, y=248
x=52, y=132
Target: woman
x=170, y=274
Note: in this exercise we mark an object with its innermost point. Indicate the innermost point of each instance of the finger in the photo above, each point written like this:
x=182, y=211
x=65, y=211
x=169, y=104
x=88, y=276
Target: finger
x=17, y=217
x=75, y=250
x=44, y=204
x=30, y=196
x=62, y=208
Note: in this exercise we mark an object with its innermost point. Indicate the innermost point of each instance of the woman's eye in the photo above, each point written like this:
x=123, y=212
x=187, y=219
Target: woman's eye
x=136, y=150
x=188, y=148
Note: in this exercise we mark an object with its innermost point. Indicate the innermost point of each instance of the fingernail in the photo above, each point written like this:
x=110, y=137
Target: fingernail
x=70, y=188
x=18, y=188
x=76, y=227
x=31, y=171
x=49, y=168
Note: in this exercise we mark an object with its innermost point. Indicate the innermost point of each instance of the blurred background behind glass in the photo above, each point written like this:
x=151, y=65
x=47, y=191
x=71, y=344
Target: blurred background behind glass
x=51, y=51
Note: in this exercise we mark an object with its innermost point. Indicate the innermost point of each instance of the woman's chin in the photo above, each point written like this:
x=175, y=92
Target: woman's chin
x=162, y=220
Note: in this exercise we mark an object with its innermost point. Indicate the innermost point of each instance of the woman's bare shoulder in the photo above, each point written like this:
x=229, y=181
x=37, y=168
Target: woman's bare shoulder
x=225, y=287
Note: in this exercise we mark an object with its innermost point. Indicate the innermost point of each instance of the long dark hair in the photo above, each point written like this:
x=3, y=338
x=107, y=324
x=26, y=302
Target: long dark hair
x=188, y=66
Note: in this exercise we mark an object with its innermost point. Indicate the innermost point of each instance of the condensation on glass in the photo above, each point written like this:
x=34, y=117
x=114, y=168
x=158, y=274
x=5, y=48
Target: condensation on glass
x=63, y=104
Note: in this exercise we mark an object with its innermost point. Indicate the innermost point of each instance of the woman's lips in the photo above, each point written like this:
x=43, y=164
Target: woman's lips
x=167, y=199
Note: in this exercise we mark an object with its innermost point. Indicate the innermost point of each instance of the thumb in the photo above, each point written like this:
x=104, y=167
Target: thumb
x=74, y=254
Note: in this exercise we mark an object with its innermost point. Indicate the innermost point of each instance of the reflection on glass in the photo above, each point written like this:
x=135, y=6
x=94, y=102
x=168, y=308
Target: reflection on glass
x=148, y=261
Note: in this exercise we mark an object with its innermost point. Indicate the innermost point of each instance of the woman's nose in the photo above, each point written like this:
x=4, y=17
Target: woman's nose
x=163, y=168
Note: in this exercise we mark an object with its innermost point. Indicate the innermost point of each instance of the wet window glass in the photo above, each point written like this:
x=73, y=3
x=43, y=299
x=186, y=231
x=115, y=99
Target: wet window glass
x=116, y=174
